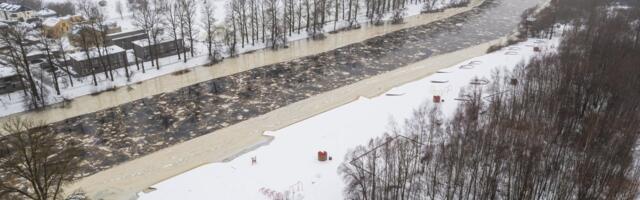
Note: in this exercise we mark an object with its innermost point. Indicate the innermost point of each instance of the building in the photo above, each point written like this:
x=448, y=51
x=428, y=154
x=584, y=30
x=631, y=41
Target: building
x=117, y=58
x=125, y=39
x=46, y=13
x=56, y=27
x=165, y=47
x=13, y=12
x=9, y=80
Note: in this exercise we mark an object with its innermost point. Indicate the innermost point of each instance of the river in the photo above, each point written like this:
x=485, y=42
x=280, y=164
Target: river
x=175, y=114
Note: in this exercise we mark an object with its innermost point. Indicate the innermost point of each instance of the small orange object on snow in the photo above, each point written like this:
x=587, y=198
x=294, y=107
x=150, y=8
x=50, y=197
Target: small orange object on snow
x=436, y=99
x=322, y=156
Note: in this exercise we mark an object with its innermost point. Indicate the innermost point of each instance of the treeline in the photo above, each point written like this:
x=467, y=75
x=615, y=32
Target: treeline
x=562, y=126
x=272, y=21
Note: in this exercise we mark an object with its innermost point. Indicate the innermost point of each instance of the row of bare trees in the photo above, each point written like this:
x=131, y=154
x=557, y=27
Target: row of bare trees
x=272, y=21
x=562, y=126
x=16, y=40
x=93, y=39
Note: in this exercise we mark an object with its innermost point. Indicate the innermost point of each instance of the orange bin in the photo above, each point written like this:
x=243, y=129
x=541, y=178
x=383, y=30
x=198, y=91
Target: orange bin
x=436, y=99
x=322, y=156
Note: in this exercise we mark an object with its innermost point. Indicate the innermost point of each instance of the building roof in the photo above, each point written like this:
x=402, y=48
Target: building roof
x=46, y=12
x=13, y=7
x=93, y=53
x=145, y=42
x=125, y=34
x=73, y=18
x=51, y=21
x=7, y=71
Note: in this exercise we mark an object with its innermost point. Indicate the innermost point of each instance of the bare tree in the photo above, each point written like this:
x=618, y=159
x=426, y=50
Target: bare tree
x=46, y=45
x=563, y=125
x=188, y=22
x=429, y=6
x=64, y=65
x=230, y=30
x=16, y=39
x=398, y=15
x=86, y=43
x=120, y=9
x=148, y=17
x=94, y=34
x=34, y=4
x=172, y=16
x=62, y=8
x=34, y=162
x=208, y=24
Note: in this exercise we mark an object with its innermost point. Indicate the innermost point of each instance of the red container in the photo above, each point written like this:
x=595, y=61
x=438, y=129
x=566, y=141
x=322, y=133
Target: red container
x=322, y=156
x=536, y=49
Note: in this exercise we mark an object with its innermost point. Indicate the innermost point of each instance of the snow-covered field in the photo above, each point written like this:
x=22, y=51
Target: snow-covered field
x=288, y=164
x=14, y=102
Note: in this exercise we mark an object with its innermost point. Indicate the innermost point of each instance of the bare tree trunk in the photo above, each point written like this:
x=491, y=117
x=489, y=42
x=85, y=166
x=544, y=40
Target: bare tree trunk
x=85, y=46
x=64, y=62
x=54, y=76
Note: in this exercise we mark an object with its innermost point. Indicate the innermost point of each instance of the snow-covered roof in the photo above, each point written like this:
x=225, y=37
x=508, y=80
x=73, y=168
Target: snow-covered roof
x=73, y=17
x=51, y=21
x=81, y=55
x=128, y=32
x=35, y=52
x=46, y=12
x=13, y=7
x=145, y=42
x=125, y=34
x=7, y=71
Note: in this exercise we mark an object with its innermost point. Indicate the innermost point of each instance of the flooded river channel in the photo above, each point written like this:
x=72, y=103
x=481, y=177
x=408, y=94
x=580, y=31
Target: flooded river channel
x=146, y=125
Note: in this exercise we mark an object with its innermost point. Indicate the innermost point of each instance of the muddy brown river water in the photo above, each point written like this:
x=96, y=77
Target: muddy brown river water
x=161, y=112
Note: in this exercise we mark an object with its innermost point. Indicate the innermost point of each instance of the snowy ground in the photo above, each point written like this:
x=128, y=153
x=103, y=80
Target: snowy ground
x=14, y=102
x=288, y=164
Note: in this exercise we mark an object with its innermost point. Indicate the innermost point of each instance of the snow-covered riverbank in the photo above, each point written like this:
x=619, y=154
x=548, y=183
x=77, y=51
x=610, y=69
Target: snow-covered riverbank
x=288, y=162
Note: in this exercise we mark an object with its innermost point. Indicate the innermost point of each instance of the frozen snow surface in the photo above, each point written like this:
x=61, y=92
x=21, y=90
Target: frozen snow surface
x=289, y=166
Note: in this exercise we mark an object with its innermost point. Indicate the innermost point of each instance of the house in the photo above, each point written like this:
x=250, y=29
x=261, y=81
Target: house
x=9, y=80
x=56, y=27
x=83, y=65
x=165, y=46
x=125, y=39
x=14, y=12
x=46, y=13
